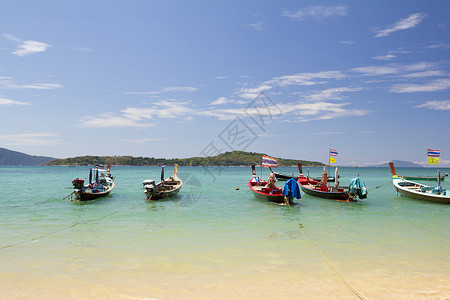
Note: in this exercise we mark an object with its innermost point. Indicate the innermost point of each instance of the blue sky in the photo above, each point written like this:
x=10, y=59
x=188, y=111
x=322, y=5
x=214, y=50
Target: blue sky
x=194, y=78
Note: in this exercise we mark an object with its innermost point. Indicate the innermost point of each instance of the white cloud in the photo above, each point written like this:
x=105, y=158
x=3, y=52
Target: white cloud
x=347, y=42
x=252, y=93
x=11, y=37
x=30, y=47
x=433, y=86
x=84, y=49
x=166, y=90
x=305, y=78
x=407, y=23
x=331, y=94
x=321, y=110
x=145, y=140
x=31, y=139
x=436, y=105
x=108, y=120
x=138, y=116
x=439, y=46
x=431, y=73
x=316, y=12
x=9, y=83
x=329, y=132
x=256, y=26
x=220, y=100
x=9, y=102
x=398, y=69
x=390, y=55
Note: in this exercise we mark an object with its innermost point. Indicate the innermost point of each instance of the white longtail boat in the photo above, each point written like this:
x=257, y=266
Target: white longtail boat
x=420, y=191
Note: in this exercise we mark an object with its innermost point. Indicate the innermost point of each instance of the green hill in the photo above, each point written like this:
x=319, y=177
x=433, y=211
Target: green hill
x=14, y=158
x=234, y=158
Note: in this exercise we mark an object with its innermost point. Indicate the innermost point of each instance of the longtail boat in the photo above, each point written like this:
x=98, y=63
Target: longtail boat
x=420, y=178
x=284, y=177
x=321, y=189
x=261, y=190
x=166, y=188
x=100, y=184
x=420, y=191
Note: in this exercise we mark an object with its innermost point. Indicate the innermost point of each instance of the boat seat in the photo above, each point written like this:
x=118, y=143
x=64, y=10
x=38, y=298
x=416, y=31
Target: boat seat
x=426, y=188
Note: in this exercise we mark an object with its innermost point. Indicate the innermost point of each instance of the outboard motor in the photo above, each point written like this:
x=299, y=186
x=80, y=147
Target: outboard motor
x=78, y=183
x=150, y=187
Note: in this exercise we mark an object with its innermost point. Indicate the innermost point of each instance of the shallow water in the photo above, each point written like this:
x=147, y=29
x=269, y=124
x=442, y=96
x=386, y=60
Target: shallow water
x=214, y=241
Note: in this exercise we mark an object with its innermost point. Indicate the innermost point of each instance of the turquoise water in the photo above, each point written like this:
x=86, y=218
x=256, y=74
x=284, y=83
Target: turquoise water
x=214, y=241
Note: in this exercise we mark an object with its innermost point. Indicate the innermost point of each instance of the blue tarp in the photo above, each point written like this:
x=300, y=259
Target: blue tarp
x=358, y=188
x=291, y=189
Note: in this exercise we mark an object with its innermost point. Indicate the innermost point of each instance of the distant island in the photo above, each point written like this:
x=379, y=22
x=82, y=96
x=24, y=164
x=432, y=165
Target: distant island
x=14, y=158
x=400, y=164
x=234, y=158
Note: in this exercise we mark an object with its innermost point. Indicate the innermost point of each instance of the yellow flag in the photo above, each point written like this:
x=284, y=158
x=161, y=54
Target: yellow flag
x=432, y=160
x=332, y=160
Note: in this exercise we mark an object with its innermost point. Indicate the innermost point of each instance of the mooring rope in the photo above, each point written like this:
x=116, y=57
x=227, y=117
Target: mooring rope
x=68, y=227
x=377, y=187
x=348, y=284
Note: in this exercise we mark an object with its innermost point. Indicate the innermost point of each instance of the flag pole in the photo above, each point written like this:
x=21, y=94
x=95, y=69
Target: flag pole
x=427, y=167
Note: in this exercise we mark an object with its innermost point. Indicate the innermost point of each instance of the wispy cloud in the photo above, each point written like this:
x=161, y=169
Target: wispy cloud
x=258, y=26
x=166, y=90
x=329, y=132
x=397, y=69
x=331, y=94
x=26, y=47
x=316, y=12
x=321, y=110
x=9, y=102
x=84, y=49
x=436, y=105
x=138, y=117
x=439, y=46
x=225, y=100
x=31, y=139
x=347, y=42
x=10, y=83
x=407, y=23
x=432, y=86
x=144, y=140
x=110, y=120
x=305, y=78
x=390, y=55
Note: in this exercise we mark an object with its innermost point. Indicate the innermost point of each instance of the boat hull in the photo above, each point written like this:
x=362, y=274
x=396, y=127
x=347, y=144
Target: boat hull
x=258, y=191
x=308, y=187
x=403, y=190
x=170, y=188
x=87, y=196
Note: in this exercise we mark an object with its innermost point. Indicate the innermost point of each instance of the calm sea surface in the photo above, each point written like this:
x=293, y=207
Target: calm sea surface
x=213, y=241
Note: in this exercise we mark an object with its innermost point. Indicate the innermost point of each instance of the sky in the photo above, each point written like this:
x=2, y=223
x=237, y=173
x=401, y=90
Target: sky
x=177, y=79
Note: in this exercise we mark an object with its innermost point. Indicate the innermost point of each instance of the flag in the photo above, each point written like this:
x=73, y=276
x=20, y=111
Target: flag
x=433, y=156
x=332, y=160
x=333, y=152
x=268, y=161
x=433, y=153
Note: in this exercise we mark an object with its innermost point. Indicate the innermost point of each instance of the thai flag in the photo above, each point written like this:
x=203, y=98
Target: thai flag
x=268, y=161
x=433, y=153
x=99, y=166
x=333, y=152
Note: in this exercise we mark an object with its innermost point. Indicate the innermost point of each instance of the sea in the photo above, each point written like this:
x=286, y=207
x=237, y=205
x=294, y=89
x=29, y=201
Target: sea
x=215, y=240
